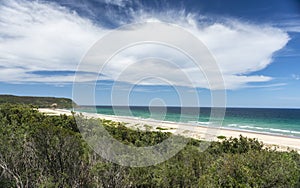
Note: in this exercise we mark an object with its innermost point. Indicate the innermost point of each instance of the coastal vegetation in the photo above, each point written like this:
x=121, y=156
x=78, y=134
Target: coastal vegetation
x=161, y=128
x=37, y=150
x=41, y=102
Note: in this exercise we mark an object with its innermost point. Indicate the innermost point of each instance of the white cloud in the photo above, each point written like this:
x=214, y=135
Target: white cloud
x=276, y=86
x=296, y=76
x=120, y=3
x=290, y=24
x=239, y=49
x=38, y=36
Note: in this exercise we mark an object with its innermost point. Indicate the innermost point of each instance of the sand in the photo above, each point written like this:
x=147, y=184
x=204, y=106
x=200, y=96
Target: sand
x=194, y=131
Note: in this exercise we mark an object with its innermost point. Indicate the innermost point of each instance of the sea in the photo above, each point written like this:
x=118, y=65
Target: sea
x=263, y=120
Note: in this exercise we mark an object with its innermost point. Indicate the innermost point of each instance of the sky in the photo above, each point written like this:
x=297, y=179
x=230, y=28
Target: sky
x=256, y=45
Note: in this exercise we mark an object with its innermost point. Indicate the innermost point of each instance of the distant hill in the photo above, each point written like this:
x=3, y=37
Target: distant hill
x=41, y=102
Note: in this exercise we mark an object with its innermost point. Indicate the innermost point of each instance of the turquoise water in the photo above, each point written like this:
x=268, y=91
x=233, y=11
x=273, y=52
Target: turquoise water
x=275, y=121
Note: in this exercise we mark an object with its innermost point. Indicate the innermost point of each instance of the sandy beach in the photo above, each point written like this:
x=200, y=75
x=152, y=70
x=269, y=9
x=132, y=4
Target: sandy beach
x=194, y=131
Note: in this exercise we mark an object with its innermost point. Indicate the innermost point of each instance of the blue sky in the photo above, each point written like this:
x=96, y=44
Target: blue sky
x=255, y=43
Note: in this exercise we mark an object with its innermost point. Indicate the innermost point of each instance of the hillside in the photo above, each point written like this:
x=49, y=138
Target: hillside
x=41, y=102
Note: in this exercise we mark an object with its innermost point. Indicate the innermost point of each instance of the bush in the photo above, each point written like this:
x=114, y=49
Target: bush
x=48, y=151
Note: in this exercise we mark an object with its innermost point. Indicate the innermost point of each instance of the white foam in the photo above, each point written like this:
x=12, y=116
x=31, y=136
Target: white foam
x=260, y=128
x=246, y=126
x=295, y=132
x=200, y=122
x=280, y=130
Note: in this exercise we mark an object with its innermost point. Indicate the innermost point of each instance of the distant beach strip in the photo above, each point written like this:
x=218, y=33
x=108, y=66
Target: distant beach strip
x=280, y=142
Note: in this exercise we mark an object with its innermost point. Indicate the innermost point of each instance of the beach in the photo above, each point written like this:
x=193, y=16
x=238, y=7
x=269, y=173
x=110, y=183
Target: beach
x=281, y=142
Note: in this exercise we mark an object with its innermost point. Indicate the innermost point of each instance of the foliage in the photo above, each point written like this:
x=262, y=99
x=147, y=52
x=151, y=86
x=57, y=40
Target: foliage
x=221, y=137
x=161, y=128
x=236, y=145
x=48, y=151
x=41, y=102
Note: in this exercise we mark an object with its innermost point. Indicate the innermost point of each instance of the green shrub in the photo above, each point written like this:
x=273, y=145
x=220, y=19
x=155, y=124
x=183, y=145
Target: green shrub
x=47, y=151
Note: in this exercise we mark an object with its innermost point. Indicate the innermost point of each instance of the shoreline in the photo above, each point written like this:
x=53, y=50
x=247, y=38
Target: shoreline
x=281, y=142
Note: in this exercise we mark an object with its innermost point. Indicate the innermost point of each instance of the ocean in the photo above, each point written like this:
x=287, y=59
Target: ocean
x=263, y=120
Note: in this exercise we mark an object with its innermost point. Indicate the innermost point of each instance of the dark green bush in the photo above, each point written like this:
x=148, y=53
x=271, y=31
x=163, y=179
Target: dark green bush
x=48, y=151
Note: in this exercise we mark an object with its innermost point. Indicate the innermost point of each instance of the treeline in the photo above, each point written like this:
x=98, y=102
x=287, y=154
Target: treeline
x=48, y=151
x=41, y=102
